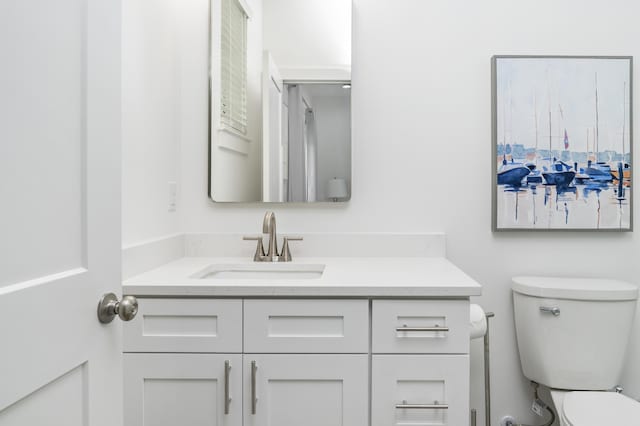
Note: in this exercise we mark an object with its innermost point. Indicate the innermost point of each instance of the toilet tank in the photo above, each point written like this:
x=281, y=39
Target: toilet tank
x=573, y=332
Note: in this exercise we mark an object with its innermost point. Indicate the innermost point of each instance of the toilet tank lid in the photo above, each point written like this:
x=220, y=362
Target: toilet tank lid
x=575, y=288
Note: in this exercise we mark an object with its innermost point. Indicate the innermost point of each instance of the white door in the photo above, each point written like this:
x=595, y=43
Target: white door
x=272, y=87
x=60, y=216
x=309, y=390
x=285, y=144
x=183, y=389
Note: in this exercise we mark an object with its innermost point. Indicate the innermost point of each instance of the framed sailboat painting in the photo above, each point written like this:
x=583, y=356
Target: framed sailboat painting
x=562, y=143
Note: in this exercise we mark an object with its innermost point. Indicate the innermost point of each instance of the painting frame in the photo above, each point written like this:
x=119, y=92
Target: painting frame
x=495, y=225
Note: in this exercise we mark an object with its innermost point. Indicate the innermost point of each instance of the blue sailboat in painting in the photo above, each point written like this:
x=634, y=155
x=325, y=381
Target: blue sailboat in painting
x=600, y=172
x=561, y=174
x=513, y=176
x=561, y=179
x=512, y=173
x=535, y=176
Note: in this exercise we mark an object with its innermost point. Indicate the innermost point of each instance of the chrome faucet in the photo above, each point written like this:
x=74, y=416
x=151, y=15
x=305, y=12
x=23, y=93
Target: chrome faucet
x=269, y=227
x=272, y=255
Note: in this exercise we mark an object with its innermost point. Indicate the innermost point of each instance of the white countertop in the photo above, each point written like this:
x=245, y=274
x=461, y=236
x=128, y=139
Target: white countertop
x=342, y=277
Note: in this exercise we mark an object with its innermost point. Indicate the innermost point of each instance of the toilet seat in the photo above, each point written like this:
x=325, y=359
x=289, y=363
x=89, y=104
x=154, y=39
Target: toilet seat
x=600, y=408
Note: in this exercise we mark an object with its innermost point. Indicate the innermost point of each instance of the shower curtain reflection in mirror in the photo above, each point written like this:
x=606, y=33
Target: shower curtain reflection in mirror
x=309, y=142
x=302, y=144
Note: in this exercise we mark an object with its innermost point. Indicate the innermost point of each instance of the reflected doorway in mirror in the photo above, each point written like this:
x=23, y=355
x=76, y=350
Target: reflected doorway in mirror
x=292, y=131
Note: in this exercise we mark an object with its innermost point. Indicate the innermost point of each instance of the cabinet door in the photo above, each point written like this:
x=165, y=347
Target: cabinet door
x=182, y=389
x=420, y=390
x=309, y=390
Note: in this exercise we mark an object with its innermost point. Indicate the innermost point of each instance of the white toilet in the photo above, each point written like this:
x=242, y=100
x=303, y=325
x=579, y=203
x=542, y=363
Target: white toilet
x=572, y=337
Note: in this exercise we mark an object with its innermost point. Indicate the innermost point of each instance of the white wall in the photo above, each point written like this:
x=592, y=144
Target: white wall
x=164, y=41
x=333, y=124
x=308, y=33
x=422, y=151
x=150, y=117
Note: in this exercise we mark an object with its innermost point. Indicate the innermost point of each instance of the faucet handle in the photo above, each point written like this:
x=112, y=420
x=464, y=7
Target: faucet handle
x=259, y=254
x=285, y=256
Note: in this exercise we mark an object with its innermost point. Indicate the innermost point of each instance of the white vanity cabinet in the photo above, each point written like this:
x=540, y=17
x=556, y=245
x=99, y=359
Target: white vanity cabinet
x=301, y=362
x=183, y=363
x=291, y=362
x=420, y=362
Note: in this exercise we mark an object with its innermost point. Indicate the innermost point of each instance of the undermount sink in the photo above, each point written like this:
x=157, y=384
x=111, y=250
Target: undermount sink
x=261, y=271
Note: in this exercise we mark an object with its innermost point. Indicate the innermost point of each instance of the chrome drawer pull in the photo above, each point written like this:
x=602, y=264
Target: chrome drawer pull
x=254, y=398
x=433, y=329
x=227, y=398
x=434, y=406
x=552, y=310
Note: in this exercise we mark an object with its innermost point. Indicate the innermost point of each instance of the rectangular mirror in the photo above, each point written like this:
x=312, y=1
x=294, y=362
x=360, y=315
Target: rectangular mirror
x=280, y=101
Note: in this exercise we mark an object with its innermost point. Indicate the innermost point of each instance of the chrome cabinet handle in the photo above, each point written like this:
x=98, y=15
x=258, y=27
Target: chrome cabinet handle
x=254, y=399
x=434, y=329
x=405, y=406
x=109, y=307
x=227, y=398
x=551, y=309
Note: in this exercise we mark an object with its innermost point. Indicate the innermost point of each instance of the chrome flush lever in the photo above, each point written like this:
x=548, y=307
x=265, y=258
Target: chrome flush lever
x=551, y=310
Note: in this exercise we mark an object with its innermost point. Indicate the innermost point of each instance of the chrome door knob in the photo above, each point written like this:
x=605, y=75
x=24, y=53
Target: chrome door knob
x=109, y=307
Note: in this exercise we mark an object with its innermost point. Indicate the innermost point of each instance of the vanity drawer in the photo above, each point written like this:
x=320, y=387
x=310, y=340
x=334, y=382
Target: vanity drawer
x=420, y=318
x=185, y=325
x=420, y=390
x=306, y=326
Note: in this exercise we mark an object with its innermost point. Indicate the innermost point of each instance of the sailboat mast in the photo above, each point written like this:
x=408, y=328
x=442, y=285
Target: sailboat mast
x=624, y=117
x=587, y=144
x=550, y=130
x=597, y=135
x=550, y=134
x=504, y=132
x=560, y=122
x=535, y=117
x=504, y=125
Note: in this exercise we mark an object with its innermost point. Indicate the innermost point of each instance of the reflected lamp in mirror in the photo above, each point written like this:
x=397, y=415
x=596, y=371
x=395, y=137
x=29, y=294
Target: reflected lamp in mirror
x=337, y=189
